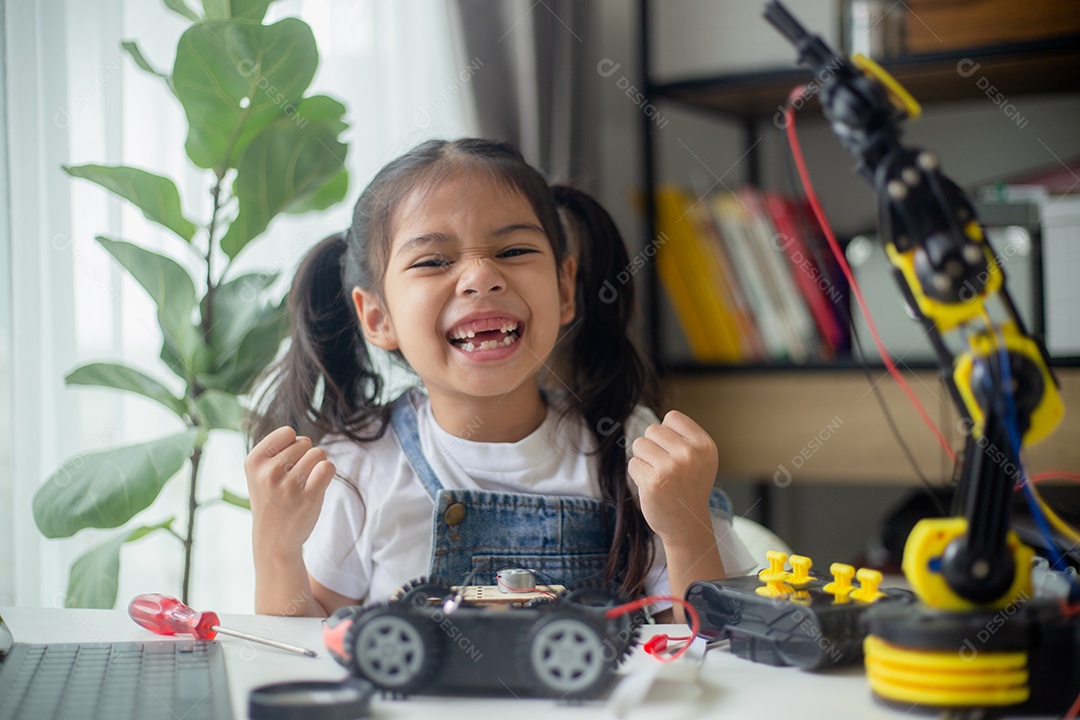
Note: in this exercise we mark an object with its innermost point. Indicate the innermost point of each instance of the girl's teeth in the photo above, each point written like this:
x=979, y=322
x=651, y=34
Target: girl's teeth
x=489, y=344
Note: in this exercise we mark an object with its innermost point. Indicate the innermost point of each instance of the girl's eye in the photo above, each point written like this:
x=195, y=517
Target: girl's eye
x=430, y=262
x=516, y=252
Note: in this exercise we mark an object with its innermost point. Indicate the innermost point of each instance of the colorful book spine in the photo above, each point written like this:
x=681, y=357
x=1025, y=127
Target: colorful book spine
x=728, y=214
x=689, y=279
x=817, y=292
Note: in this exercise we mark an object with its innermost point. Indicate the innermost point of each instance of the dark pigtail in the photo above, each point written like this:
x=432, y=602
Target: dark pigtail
x=325, y=383
x=610, y=375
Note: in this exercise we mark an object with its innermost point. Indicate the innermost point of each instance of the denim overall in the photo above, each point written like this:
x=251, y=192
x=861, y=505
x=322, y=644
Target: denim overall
x=565, y=539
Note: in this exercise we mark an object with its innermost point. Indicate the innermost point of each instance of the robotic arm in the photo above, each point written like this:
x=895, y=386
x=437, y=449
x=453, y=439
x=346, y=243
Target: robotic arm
x=996, y=373
x=978, y=638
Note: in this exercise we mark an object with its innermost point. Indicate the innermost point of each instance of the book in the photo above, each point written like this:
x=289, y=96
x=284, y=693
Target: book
x=801, y=335
x=741, y=247
x=731, y=291
x=817, y=292
x=690, y=280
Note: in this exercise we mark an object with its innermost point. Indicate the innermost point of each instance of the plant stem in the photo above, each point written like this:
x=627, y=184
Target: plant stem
x=208, y=309
x=193, y=505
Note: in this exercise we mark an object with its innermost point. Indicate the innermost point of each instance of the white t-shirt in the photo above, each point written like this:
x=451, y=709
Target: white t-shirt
x=366, y=549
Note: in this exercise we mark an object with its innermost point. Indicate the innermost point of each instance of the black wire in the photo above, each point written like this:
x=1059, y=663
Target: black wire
x=856, y=345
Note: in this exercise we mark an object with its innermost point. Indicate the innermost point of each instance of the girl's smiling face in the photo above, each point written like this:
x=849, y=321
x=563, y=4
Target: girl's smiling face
x=471, y=295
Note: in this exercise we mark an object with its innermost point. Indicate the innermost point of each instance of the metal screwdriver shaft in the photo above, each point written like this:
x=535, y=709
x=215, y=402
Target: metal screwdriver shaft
x=168, y=616
x=264, y=641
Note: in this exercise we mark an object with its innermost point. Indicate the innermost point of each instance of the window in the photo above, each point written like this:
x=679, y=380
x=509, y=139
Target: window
x=74, y=97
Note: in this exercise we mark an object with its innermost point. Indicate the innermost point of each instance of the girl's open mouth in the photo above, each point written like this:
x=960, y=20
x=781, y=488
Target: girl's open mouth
x=485, y=334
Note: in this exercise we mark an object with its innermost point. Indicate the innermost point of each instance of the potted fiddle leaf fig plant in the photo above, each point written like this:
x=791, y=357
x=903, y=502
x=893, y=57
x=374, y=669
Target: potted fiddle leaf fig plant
x=267, y=148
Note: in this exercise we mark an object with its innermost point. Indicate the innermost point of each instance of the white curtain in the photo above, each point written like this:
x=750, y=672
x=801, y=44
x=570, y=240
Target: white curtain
x=74, y=97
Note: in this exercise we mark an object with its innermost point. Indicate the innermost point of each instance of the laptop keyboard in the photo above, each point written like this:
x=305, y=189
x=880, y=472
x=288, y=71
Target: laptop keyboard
x=171, y=680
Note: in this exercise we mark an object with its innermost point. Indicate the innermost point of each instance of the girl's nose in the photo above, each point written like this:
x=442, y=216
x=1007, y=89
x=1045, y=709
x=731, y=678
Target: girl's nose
x=480, y=276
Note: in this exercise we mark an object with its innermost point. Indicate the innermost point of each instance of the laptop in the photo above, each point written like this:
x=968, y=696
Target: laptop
x=151, y=679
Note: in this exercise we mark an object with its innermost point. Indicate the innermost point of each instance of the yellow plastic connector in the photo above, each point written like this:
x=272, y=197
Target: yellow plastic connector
x=800, y=571
x=777, y=560
x=775, y=576
x=841, y=586
x=869, y=581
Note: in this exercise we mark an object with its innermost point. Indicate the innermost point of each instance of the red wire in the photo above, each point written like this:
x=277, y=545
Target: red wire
x=1053, y=475
x=1074, y=710
x=811, y=196
x=695, y=621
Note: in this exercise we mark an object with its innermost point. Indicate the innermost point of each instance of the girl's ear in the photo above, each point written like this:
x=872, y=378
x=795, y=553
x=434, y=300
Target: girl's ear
x=374, y=320
x=567, y=290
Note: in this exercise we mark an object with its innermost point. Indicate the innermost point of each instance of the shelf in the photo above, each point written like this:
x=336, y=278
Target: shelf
x=1044, y=66
x=765, y=424
x=690, y=369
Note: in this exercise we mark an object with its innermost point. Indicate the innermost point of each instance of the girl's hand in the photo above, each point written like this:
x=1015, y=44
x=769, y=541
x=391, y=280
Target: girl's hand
x=287, y=479
x=674, y=467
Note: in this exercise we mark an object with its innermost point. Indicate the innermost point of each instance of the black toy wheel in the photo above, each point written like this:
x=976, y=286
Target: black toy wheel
x=567, y=657
x=393, y=648
x=420, y=592
x=623, y=635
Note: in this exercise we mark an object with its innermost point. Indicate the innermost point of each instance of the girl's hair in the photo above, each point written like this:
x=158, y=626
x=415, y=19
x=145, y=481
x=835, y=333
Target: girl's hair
x=326, y=382
x=610, y=377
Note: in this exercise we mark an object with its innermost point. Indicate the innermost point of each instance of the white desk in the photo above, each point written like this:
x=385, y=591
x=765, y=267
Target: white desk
x=727, y=686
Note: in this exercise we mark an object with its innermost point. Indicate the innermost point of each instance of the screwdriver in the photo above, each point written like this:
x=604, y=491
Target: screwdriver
x=168, y=616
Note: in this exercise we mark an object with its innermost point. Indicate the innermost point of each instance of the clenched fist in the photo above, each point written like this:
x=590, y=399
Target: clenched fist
x=287, y=478
x=674, y=467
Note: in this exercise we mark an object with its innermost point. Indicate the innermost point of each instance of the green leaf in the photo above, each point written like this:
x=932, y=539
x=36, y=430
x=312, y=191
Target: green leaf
x=238, y=368
x=334, y=191
x=285, y=164
x=249, y=9
x=168, y=285
x=234, y=78
x=107, y=489
x=180, y=7
x=94, y=576
x=215, y=9
x=220, y=410
x=234, y=499
x=237, y=306
x=124, y=378
x=322, y=109
x=239, y=9
x=156, y=196
x=132, y=49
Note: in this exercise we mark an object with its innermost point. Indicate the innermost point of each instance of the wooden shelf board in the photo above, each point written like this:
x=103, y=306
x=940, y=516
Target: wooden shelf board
x=1021, y=69
x=829, y=428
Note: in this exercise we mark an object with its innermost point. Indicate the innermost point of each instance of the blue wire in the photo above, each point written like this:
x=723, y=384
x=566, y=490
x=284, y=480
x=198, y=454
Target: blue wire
x=1012, y=429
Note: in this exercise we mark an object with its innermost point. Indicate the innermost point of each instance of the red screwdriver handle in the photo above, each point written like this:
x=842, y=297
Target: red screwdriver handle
x=168, y=616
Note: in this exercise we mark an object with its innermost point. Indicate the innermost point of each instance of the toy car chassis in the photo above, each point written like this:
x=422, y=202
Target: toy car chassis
x=560, y=647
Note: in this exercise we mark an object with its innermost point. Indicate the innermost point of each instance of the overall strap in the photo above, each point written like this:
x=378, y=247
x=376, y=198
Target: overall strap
x=403, y=419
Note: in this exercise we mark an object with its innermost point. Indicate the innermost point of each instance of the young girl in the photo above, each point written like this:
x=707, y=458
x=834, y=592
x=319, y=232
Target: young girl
x=530, y=443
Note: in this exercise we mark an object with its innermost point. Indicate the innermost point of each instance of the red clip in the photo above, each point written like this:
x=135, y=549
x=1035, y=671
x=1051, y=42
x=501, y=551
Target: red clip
x=656, y=644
